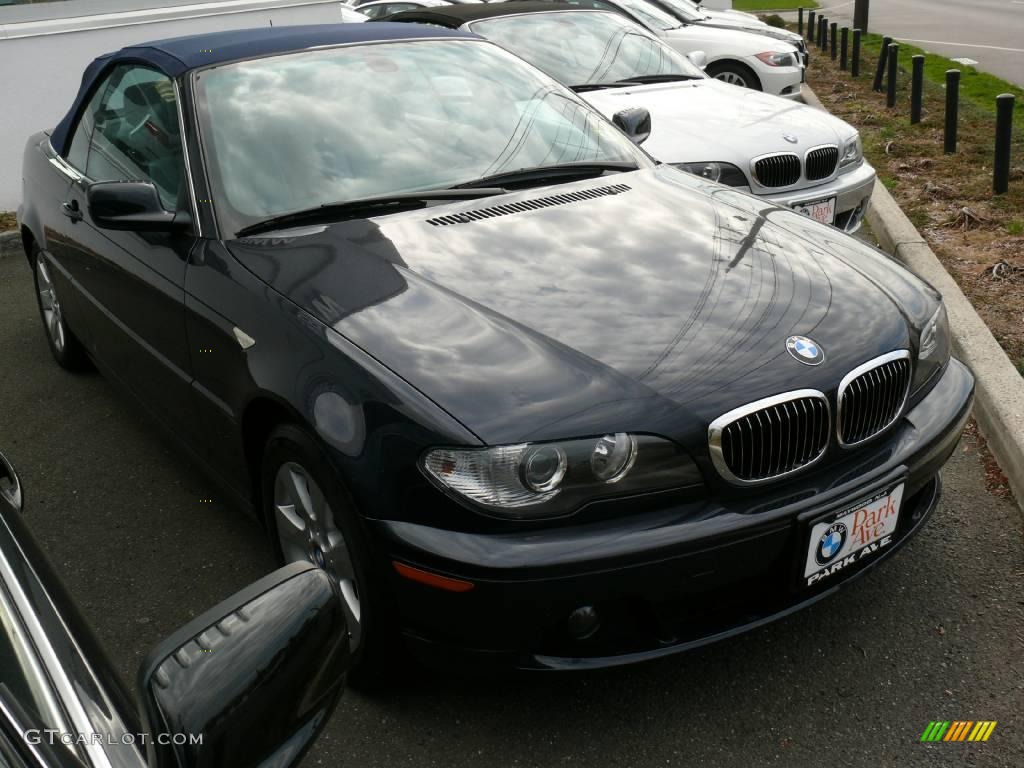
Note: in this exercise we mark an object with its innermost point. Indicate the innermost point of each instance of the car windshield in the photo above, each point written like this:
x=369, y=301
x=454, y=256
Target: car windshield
x=683, y=9
x=581, y=47
x=297, y=131
x=649, y=14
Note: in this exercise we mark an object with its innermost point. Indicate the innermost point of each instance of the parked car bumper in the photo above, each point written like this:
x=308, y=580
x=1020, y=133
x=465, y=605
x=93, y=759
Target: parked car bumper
x=779, y=81
x=852, y=191
x=663, y=582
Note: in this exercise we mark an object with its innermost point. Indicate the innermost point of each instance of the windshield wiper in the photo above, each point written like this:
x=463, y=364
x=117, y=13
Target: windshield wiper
x=350, y=209
x=581, y=169
x=650, y=79
x=584, y=87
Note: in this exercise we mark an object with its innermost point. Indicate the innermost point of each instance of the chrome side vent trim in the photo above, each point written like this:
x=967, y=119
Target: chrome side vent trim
x=770, y=438
x=528, y=205
x=871, y=397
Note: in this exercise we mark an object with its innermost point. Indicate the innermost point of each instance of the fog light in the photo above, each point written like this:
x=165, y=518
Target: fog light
x=583, y=622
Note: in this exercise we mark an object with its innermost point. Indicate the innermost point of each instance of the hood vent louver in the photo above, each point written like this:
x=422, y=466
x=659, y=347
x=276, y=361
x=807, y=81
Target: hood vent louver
x=528, y=205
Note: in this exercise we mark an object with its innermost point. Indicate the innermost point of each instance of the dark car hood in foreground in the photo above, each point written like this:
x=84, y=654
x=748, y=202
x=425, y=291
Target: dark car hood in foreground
x=653, y=309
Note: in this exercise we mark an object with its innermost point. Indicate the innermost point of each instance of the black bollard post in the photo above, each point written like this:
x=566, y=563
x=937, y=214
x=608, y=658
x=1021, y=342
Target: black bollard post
x=823, y=40
x=800, y=20
x=916, y=85
x=1004, y=128
x=952, y=110
x=860, y=15
x=844, y=48
x=832, y=38
x=890, y=93
x=880, y=71
x=855, y=63
x=810, y=26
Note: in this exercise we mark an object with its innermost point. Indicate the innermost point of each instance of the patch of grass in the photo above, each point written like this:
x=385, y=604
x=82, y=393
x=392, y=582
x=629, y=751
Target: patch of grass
x=1015, y=227
x=7, y=221
x=773, y=5
x=774, y=20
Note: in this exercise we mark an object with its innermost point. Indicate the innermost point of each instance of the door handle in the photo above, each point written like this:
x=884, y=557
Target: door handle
x=71, y=210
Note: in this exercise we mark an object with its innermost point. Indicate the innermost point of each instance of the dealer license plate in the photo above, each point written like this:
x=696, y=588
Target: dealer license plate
x=820, y=210
x=845, y=538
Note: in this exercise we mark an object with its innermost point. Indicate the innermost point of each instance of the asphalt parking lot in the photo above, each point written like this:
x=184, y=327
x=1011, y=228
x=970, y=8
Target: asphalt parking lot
x=937, y=633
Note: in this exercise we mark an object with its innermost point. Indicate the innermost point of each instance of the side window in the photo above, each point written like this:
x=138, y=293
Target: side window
x=79, y=152
x=136, y=132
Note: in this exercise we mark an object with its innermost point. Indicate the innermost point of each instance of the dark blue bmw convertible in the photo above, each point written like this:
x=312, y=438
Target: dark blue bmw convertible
x=452, y=336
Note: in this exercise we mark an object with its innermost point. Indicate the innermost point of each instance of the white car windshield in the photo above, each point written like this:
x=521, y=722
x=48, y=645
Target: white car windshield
x=586, y=47
x=649, y=14
x=302, y=130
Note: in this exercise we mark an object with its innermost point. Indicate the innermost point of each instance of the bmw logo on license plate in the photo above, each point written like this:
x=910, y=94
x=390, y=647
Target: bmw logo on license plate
x=830, y=544
x=805, y=350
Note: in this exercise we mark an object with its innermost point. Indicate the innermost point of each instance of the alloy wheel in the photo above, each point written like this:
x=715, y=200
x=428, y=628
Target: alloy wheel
x=732, y=78
x=50, y=305
x=306, y=531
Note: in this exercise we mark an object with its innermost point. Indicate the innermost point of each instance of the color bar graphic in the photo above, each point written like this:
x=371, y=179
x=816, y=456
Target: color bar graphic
x=958, y=730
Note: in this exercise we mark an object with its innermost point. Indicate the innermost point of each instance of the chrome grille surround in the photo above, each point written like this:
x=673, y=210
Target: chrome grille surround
x=872, y=396
x=782, y=434
x=781, y=169
x=821, y=162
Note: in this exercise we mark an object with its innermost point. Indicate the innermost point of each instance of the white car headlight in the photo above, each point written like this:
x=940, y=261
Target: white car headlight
x=723, y=173
x=777, y=58
x=853, y=152
x=538, y=480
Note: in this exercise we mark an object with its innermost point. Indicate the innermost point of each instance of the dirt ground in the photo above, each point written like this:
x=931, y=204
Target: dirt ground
x=978, y=236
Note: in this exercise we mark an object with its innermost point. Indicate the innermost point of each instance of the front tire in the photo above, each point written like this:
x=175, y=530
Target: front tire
x=311, y=517
x=734, y=73
x=67, y=350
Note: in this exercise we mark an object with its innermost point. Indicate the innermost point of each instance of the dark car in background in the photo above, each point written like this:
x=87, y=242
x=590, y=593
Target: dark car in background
x=255, y=677
x=526, y=395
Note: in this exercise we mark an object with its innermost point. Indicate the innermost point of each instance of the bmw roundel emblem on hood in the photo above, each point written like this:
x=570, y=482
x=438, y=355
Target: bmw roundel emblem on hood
x=805, y=350
x=790, y=138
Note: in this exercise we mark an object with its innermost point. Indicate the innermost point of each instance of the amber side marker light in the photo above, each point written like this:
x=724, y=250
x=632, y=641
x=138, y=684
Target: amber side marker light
x=432, y=579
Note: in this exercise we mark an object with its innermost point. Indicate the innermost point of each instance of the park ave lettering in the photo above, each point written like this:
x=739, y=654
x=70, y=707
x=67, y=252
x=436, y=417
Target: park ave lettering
x=850, y=559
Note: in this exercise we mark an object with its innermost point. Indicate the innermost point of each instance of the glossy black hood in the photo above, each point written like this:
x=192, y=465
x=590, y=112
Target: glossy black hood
x=652, y=307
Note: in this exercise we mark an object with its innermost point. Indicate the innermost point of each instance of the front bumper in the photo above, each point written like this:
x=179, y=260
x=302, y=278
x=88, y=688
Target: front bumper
x=852, y=191
x=661, y=582
x=779, y=81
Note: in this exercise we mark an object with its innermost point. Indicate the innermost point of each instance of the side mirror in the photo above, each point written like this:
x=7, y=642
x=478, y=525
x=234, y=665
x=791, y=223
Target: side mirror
x=130, y=205
x=250, y=682
x=635, y=122
x=10, y=487
x=699, y=59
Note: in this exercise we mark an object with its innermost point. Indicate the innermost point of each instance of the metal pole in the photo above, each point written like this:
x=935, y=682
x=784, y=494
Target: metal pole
x=832, y=38
x=810, y=26
x=1004, y=127
x=844, y=48
x=890, y=93
x=823, y=40
x=860, y=15
x=916, y=85
x=952, y=108
x=855, y=63
x=880, y=71
x=800, y=20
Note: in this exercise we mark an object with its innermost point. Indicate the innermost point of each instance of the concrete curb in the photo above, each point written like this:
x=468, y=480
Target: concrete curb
x=10, y=243
x=999, y=403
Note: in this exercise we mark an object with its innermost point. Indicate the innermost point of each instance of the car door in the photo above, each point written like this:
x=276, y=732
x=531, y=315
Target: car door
x=133, y=282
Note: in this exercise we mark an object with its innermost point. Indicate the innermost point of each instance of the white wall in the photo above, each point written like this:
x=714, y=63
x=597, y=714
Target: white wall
x=41, y=62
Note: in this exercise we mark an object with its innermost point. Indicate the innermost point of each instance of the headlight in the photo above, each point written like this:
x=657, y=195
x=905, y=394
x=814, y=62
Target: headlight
x=777, y=58
x=723, y=173
x=932, y=348
x=536, y=480
x=853, y=152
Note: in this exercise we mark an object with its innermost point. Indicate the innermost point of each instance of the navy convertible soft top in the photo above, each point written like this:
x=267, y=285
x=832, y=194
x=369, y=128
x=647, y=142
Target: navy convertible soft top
x=177, y=55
